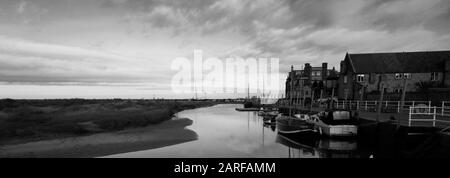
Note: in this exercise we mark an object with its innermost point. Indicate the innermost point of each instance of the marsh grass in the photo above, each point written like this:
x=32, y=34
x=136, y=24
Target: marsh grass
x=31, y=120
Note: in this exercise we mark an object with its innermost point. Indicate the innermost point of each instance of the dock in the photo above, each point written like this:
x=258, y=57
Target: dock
x=410, y=114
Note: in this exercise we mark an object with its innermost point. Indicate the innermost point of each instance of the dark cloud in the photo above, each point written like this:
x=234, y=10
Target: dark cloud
x=297, y=31
x=440, y=23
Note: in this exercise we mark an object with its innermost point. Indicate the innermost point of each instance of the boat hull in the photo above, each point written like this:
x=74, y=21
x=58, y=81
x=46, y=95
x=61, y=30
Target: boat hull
x=336, y=130
x=247, y=109
x=292, y=125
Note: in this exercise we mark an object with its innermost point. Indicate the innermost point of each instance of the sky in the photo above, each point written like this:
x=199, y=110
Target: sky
x=124, y=48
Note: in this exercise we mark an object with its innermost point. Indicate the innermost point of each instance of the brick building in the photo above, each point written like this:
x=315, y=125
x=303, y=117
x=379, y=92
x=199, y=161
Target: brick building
x=311, y=83
x=366, y=73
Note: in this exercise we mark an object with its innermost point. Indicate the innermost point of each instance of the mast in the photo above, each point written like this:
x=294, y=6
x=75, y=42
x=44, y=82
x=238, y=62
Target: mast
x=262, y=98
x=195, y=89
x=263, y=88
x=290, y=92
x=248, y=91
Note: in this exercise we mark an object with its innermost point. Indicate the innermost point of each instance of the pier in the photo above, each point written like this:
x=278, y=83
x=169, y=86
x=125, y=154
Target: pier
x=410, y=113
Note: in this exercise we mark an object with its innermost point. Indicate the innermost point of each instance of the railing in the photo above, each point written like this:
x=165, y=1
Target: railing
x=423, y=112
x=429, y=114
x=418, y=111
x=392, y=106
x=445, y=108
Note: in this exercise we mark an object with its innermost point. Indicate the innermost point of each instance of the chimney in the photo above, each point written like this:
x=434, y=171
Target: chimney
x=324, y=70
x=307, y=66
x=307, y=70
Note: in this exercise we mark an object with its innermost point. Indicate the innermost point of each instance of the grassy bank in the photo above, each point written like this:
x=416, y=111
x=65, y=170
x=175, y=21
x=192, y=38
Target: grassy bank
x=32, y=120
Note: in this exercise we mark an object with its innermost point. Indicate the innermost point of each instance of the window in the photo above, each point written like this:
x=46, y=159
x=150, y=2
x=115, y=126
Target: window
x=316, y=73
x=434, y=76
x=360, y=78
x=407, y=75
x=345, y=79
x=399, y=76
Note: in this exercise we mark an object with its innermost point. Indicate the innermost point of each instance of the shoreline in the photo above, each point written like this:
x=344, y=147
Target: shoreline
x=97, y=143
x=167, y=133
x=26, y=121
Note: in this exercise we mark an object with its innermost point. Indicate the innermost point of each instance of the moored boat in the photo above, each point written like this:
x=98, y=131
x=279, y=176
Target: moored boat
x=247, y=109
x=268, y=113
x=335, y=123
x=293, y=125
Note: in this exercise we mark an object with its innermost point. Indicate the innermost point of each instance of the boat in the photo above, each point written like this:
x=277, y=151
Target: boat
x=269, y=118
x=270, y=126
x=269, y=115
x=247, y=109
x=269, y=122
x=294, y=125
x=335, y=123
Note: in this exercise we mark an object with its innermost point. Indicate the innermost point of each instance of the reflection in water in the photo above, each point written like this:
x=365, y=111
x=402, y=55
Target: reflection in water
x=224, y=132
x=321, y=147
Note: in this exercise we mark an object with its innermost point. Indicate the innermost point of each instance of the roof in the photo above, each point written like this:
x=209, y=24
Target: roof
x=399, y=62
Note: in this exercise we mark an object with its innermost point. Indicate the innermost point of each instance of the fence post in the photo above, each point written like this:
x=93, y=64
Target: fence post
x=366, y=106
x=413, y=104
x=434, y=117
x=386, y=103
x=429, y=106
x=398, y=107
x=357, y=105
x=409, y=118
x=443, y=105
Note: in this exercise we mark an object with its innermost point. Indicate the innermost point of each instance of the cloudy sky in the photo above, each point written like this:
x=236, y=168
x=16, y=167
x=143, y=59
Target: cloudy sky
x=124, y=48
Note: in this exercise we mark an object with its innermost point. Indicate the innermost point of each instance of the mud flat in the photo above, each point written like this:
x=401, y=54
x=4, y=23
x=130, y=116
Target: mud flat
x=153, y=136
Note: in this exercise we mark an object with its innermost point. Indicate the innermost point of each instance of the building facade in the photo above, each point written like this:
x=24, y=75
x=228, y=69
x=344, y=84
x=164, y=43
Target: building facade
x=369, y=73
x=311, y=83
